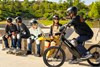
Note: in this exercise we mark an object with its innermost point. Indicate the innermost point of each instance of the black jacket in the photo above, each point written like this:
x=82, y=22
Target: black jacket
x=23, y=30
x=9, y=29
x=81, y=28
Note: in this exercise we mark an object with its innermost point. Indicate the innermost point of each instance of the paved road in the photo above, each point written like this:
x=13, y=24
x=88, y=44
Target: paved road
x=8, y=60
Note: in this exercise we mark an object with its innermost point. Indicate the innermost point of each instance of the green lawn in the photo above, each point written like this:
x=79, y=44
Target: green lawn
x=2, y=22
x=49, y=22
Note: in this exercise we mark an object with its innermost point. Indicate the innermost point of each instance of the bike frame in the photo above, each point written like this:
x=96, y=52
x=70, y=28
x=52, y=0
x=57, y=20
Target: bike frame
x=71, y=48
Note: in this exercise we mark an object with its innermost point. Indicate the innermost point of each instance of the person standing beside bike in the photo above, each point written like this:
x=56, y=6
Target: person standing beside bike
x=35, y=32
x=54, y=29
x=10, y=32
x=83, y=30
x=23, y=32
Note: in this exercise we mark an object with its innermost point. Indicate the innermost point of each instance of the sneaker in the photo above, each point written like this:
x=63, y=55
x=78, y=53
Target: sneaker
x=15, y=50
x=38, y=55
x=87, y=56
x=10, y=50
x=75, y=61
x=28, y=52
x=18, y=49
x=5, y=49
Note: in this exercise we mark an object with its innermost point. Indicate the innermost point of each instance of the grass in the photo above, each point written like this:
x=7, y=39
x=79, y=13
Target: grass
x=49, y=22
x=89, y=23
x=2, y=22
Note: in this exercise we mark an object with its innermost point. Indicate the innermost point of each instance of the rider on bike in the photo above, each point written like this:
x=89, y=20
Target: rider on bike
x=83, y=30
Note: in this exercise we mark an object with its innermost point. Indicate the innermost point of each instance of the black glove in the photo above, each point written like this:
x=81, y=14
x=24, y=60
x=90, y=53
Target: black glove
x=39, y=35
x=9, y=34
x=58, y=33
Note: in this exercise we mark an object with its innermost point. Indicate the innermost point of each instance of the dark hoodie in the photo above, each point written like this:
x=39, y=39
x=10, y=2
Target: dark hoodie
x=23, y=30
x=81, y=28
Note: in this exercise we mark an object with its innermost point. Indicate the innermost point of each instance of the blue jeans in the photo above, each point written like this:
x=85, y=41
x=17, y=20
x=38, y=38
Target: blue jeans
x=13, y=43
x=19, y=43
x=80, y=41
x=19, y=39
x=30, y=46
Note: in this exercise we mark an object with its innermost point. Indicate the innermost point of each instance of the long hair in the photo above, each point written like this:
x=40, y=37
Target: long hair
x=54, y=24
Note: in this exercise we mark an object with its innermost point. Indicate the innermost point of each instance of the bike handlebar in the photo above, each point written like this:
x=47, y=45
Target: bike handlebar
x=63, y=28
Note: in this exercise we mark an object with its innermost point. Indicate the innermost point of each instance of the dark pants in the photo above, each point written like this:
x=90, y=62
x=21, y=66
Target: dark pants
x=6, y=42
x=19, y=39
x=19, y=43
x=80, y=41
x=30, y=46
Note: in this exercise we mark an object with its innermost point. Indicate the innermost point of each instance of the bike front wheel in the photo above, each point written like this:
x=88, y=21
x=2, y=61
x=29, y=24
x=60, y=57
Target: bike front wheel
x=95, y=59
x=54, y=56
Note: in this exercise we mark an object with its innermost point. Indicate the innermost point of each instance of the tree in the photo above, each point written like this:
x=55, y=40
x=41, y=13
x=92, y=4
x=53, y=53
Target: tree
x=94, y=11
x=70, y=2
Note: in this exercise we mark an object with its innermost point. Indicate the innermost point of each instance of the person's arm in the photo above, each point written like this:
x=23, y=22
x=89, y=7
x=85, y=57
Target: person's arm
x=71, y=23
x=6, y=29
x=40, y=32
x=51, y=32
x=26, y=30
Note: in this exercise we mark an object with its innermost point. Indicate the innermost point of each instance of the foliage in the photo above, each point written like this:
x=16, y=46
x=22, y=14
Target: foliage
x=45, y=9
x=95, y=10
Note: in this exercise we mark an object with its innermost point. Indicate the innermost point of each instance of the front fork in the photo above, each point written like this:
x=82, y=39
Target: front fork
x=57, y=52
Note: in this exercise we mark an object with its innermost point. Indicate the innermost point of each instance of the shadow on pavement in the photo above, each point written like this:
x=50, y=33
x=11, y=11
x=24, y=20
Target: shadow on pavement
x=84, y=64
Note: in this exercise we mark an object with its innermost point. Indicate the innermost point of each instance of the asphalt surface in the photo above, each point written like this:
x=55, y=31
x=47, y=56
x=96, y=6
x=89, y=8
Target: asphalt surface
x=9, y=60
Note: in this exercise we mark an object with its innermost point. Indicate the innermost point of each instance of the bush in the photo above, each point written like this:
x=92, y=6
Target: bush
x=46, y=15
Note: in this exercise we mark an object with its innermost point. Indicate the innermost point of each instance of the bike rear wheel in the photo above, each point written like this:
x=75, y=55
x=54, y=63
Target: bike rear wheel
x=54, y=57
x=95, y=59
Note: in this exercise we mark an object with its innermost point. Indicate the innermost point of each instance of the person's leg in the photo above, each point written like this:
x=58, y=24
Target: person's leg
x=5, y=42
x=14, y=40
x=19, y=39
x=19, y=43
x=80, y=48
x=83, y=51
x=53, y=43
x=38, y=47
x=29, y=49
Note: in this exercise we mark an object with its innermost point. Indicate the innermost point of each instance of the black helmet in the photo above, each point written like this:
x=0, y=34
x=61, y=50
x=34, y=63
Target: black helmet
x=56, y=17
x=9, y=19
x=33, y=21
x=18, y=19
x=72, y=9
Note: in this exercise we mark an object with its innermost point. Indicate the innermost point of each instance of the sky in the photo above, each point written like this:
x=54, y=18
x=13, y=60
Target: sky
x=87, y=2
